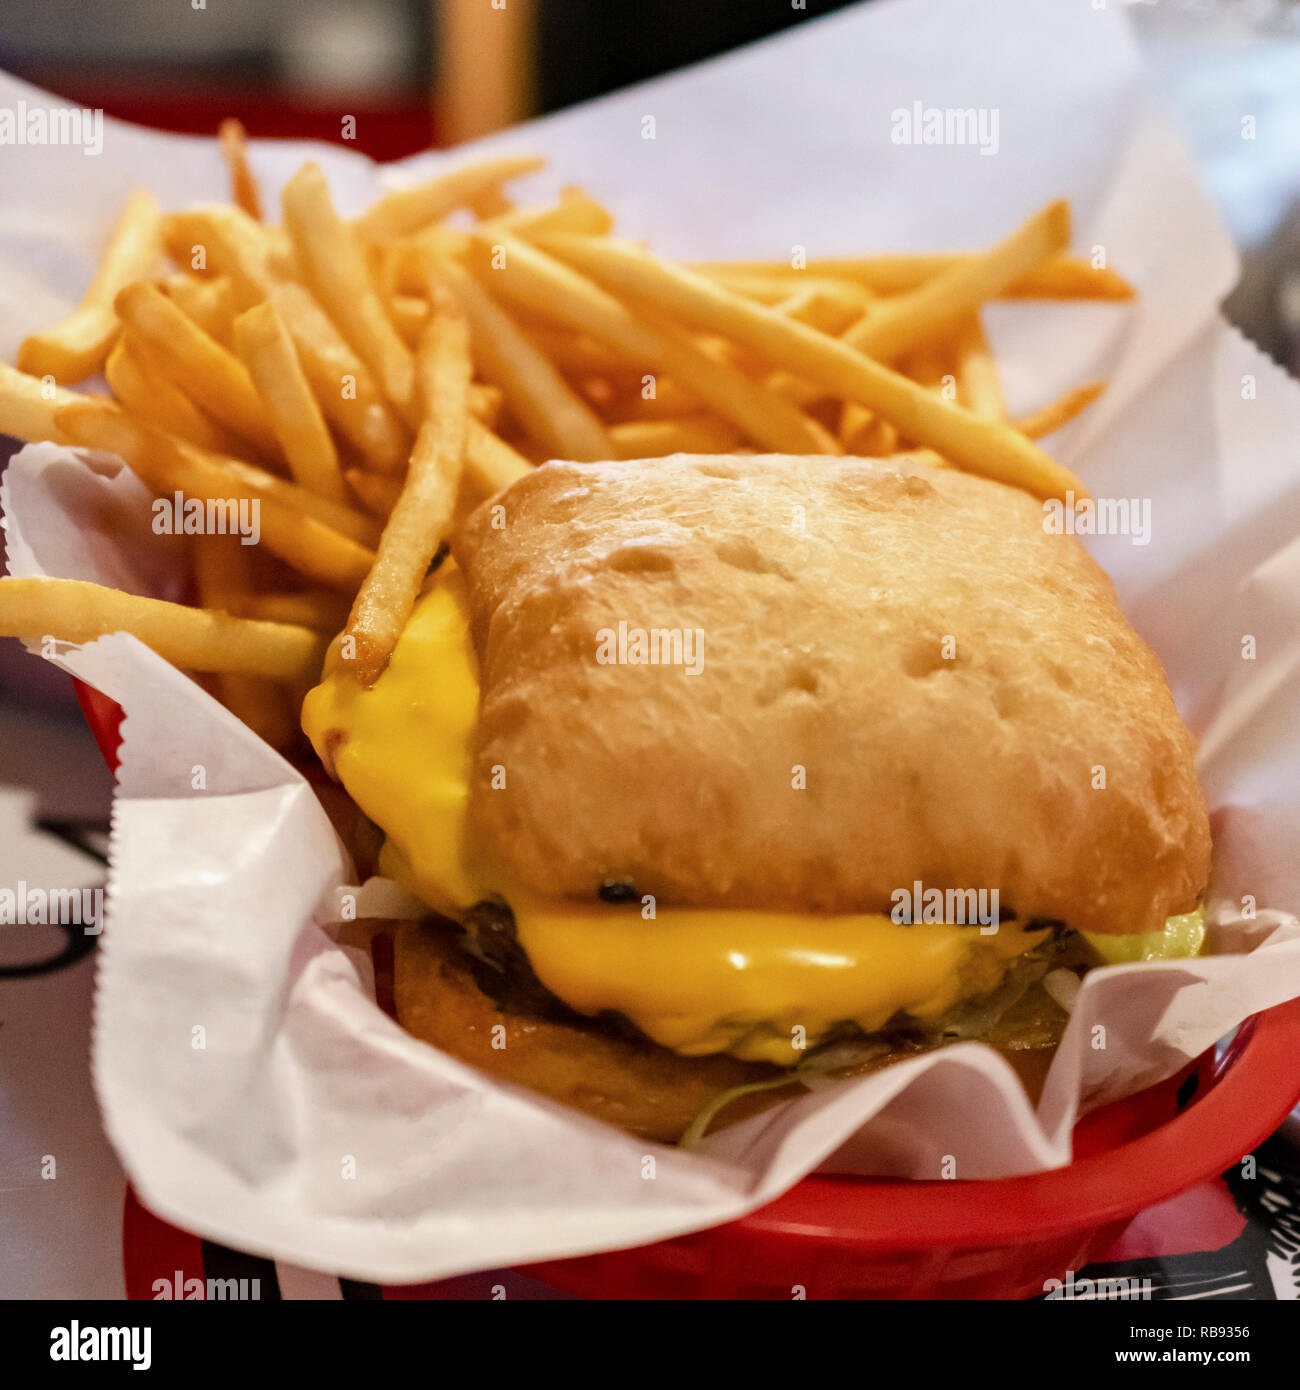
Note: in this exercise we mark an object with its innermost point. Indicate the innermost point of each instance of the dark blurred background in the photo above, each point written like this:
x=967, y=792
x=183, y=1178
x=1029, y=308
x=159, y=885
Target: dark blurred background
x=420, y=72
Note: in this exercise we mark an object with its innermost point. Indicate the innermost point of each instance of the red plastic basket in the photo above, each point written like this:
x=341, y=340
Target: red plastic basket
x=839, y=1237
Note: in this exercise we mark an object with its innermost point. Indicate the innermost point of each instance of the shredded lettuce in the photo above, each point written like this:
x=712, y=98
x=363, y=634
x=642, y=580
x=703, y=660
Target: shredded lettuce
x=699, y=1126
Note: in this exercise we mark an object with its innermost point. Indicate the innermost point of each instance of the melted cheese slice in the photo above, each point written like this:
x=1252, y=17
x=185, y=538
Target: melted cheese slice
x=762, y=986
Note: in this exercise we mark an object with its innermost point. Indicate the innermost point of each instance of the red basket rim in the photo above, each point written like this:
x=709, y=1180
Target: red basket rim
x=1253, y=1086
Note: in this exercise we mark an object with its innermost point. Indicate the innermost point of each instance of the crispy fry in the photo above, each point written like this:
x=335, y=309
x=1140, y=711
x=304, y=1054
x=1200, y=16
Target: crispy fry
x=766, y=289
x=409, y=315
x=894, y=326
x=207, y=373
x=243, y=183
x=983, y=446
x=978, y=386
x=492, y=202
x=485, y=402
x=142, y=388
x=211, y=303
x=576, y=213
x=819, y=310
x=1063, y=277
x=335, y=271
x=865, y=434
x=222, y=576
x=406, y=210
x=699, y=434
x=804, y=394
x=267, y=351
x=552, y=288
x=77, y=347
x=72, y=610
x=288, y=528
x=666, y=401
x=347, y=393
x=578, y=354
x=1061, y=411
x=490, y=463
x=224, y=241
x=538, y=395
x=423, y=512
x=338, y=516
x=314, y=608
x=28, y=406
x=377, y=492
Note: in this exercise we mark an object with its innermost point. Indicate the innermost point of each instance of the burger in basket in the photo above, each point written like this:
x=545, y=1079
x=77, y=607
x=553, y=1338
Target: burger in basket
x=691, y=641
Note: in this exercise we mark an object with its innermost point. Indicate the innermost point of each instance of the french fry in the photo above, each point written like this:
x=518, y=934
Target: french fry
x=409, y=315
x=288, y=529
x=347, y=393
x=243, y=183
x=854, y=425
x=773, y=289
x=210, y=375
x=268, y=353
x=335, y=271
x=538, y=396
x=825, y=312
x=377, y=492
x=222, y=577
x=982, y=446
x=978, y=386
x=338, y=516
x=553, y=289
x=73, y=610
x=405, y=260
x=577, y=213
x=490, y=463
x=77, y=347
x=804, y=394
x=894, y=326
x=211, y=303
x=578, y=354
x=865, y=434
x=314, y=608
x=485, y=402
x=667, y=401
x=700, y=434
x=151, y=397
x=224, y=241
x=423, y=512
x=406, y=210
x=28, y=406
x=492, y=202
x=1061, y=411
x=1063, y=277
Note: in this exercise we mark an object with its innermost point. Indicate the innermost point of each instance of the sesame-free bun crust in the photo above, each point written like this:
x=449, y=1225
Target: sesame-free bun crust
x=905, y=676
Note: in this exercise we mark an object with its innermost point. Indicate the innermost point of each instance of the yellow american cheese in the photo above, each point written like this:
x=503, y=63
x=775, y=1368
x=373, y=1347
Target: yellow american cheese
x=760, y=985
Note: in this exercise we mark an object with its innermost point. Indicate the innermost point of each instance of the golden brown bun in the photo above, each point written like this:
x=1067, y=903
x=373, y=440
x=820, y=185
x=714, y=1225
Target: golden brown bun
x=639, y=1087
x=825, y=590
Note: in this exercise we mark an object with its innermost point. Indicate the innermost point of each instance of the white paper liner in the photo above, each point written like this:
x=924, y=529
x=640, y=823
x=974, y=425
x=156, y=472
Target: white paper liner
x=309, y=1127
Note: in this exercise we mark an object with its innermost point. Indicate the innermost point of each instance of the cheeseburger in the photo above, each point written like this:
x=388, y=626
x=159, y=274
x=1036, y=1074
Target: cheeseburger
x=717, y=773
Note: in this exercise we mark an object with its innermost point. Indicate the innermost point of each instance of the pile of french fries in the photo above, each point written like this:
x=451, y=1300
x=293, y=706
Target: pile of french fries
x=367, y=381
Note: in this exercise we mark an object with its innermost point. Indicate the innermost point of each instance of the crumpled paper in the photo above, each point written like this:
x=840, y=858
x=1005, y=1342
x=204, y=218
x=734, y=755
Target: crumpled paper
x=307, y=1126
